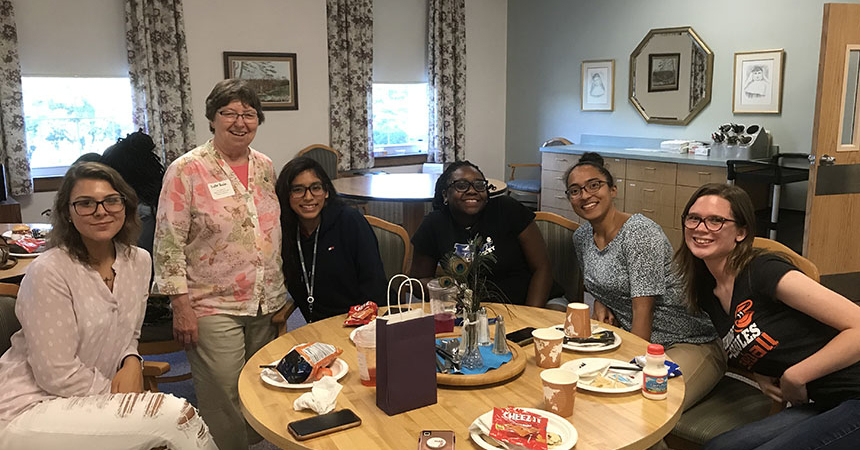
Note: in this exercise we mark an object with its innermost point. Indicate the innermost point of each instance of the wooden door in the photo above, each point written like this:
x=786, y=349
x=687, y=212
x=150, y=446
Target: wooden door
x=832, y=236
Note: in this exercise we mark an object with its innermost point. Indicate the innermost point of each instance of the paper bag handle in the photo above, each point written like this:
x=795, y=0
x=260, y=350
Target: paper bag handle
x=406, y=280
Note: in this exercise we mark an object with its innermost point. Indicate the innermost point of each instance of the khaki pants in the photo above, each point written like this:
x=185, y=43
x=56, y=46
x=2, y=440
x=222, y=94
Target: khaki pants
x=702, y=365
x=225, y=343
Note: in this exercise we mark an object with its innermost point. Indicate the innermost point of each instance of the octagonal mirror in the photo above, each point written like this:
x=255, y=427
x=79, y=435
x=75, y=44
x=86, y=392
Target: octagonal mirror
x=670, y=76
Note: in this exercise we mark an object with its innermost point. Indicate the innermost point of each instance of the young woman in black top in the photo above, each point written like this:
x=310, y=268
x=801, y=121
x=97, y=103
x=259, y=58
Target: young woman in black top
x=338, y=264
x=801, y=339
x=464, y=209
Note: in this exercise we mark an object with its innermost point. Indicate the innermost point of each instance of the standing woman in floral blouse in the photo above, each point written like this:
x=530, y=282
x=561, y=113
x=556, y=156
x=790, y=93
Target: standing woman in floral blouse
x=218, y=256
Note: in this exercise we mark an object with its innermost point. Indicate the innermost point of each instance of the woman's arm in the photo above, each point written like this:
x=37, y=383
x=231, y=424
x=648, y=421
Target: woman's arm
x=805, y=295
x=643, y=315
x=537, y=258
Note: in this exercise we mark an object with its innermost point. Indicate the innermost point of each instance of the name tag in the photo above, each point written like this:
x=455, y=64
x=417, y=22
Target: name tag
x=221, y=189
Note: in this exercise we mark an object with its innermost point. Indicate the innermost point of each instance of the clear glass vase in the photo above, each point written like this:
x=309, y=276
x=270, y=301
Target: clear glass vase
x=471, y=355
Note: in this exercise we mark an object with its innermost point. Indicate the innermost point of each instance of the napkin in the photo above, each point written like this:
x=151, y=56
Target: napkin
x=322, y=398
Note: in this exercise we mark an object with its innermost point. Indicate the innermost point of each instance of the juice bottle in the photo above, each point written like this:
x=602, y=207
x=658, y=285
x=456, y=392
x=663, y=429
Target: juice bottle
x=655, y=379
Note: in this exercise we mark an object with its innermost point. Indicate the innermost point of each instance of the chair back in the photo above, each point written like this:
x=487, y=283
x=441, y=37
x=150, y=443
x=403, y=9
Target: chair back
x=328, y=158
x=557, y=232
x=394, y=246
x=9, y=324
x=806, y=266
x=556, y=141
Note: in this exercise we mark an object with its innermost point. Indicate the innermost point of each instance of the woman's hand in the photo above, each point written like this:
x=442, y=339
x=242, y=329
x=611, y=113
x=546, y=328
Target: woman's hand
x=129, y=378
x=793, y=391
x=184, y=321
x=770, y=386
x=603, y=314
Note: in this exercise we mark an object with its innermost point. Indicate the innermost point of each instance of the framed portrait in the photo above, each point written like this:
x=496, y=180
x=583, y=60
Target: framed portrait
x=272, y=75
x=758, y=82
x=598, y=85
x=663, y=71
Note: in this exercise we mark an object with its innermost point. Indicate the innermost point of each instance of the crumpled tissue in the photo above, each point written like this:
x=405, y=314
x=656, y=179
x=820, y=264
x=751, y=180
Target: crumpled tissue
x=322, y=398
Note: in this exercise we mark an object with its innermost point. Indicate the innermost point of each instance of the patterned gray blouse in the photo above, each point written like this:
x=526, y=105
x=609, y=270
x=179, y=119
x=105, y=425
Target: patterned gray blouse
x=638, y=263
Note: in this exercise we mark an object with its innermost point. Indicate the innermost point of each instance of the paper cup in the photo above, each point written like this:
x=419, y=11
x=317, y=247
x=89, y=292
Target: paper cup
x=559, y=390
x=548, y=345
x=577, y=323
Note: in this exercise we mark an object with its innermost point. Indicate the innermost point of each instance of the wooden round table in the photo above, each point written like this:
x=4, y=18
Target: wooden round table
x=412, y=189
x=23, y=262
x=603, y=421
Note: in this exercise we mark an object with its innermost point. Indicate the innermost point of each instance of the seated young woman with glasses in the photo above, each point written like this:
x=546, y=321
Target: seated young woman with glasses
x=627, y=265
x=331, y=255
x=463, y=209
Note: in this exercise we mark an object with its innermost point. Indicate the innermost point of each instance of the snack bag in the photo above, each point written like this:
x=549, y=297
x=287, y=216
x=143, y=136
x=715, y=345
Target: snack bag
x=27, y=244
x=308, y=362
x=361, y=314
x=519, y=427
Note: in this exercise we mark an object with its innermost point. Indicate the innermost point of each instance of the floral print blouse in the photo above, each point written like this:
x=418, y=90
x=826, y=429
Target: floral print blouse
x=216, y=240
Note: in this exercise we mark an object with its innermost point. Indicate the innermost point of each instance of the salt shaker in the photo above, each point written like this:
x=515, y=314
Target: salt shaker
x=500, y=344
x=483, y=328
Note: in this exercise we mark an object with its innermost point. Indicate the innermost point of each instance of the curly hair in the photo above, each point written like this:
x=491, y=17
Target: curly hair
x=65, y=235
x=445, y=179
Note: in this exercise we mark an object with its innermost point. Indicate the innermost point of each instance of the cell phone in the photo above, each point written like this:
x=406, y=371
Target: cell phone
x=523, y=336
x=436, y=440
x=323, y=424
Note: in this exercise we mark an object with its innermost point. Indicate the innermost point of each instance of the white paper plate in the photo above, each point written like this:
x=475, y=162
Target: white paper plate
x=637, y=376
x=25, y=255
x=590, y=348
x=339, y=368
x=556, y=424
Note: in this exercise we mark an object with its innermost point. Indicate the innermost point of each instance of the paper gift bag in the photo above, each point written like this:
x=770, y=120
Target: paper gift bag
x=405, y=356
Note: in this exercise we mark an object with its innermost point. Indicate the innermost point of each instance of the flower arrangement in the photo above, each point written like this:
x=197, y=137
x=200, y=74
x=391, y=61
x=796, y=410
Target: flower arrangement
x=466, y=269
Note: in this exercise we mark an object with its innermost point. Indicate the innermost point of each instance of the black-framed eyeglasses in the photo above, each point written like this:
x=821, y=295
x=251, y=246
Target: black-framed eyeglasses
x=233, y=116
x=299, y=191
x=463, y=185
x=712, y=223
x=88, y=207
x=591, y=186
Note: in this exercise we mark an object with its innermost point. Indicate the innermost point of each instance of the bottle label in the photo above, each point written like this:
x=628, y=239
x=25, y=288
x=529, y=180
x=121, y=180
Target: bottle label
x=655, y=385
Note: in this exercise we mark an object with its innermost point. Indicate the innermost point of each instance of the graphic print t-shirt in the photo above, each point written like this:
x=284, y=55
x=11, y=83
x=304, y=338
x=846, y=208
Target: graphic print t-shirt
x=766, y=336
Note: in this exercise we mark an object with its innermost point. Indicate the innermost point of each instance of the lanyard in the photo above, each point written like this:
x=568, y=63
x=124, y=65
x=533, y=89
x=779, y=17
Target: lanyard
x=308, y=277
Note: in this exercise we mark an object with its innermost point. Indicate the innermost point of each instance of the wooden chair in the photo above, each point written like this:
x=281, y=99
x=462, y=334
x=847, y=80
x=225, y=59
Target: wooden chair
x=394, y=246
x=9, y=325
x=328, y=158
x=736, y=400
x=557, y=232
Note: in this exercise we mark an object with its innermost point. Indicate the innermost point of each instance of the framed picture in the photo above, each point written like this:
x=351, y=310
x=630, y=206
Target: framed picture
x=598, y=85
x=272, y=75
x=758, y=82
x=663, y=71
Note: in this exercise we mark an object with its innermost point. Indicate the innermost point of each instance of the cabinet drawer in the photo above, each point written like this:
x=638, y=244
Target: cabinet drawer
x=552, y=179
x=676, y=237
x=616, y=166
x=695, y=176
x=558, y=162
x=663, y=215
x=553, y=198
x=650, y=194
x=655, y=172
x=682, y=196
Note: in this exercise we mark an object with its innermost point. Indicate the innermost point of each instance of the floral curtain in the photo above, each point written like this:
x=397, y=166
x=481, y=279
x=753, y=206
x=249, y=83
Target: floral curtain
x=158, y=69
x=13, y=155
x=350, y=70
x=447, y=80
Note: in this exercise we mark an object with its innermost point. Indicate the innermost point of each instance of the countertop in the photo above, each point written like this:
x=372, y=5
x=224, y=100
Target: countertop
x=646, y=154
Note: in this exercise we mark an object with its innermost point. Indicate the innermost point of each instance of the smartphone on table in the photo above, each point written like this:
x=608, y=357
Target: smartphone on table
x=523, y=336
x=323, y=424
x=436, y=440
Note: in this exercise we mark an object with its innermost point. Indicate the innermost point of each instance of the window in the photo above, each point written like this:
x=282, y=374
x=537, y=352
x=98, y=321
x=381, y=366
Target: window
x=400, y=119
x=67, y=117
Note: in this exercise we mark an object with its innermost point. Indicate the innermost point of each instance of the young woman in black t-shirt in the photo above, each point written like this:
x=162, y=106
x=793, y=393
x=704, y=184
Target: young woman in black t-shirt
x=464, y=209
x=800, y=339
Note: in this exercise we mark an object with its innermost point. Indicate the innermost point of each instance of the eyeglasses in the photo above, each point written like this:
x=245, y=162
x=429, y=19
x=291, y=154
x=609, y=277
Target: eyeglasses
x=463, y=185
x=591, y=187
x=712, y=223
x=233, y=116
x=299, y=191
x=112, y=204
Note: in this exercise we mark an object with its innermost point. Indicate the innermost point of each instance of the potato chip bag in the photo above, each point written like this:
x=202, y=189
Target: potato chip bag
x=519, y=427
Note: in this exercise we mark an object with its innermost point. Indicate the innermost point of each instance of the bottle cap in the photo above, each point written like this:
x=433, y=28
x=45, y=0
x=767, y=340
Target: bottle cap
x=655, y=349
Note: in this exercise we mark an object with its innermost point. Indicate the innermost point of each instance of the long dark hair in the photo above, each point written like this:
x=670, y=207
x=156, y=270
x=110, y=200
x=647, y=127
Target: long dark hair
x=289, y=218
x=445, y=179
x=698, y=280
x=63, y=232
x=594, y=160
